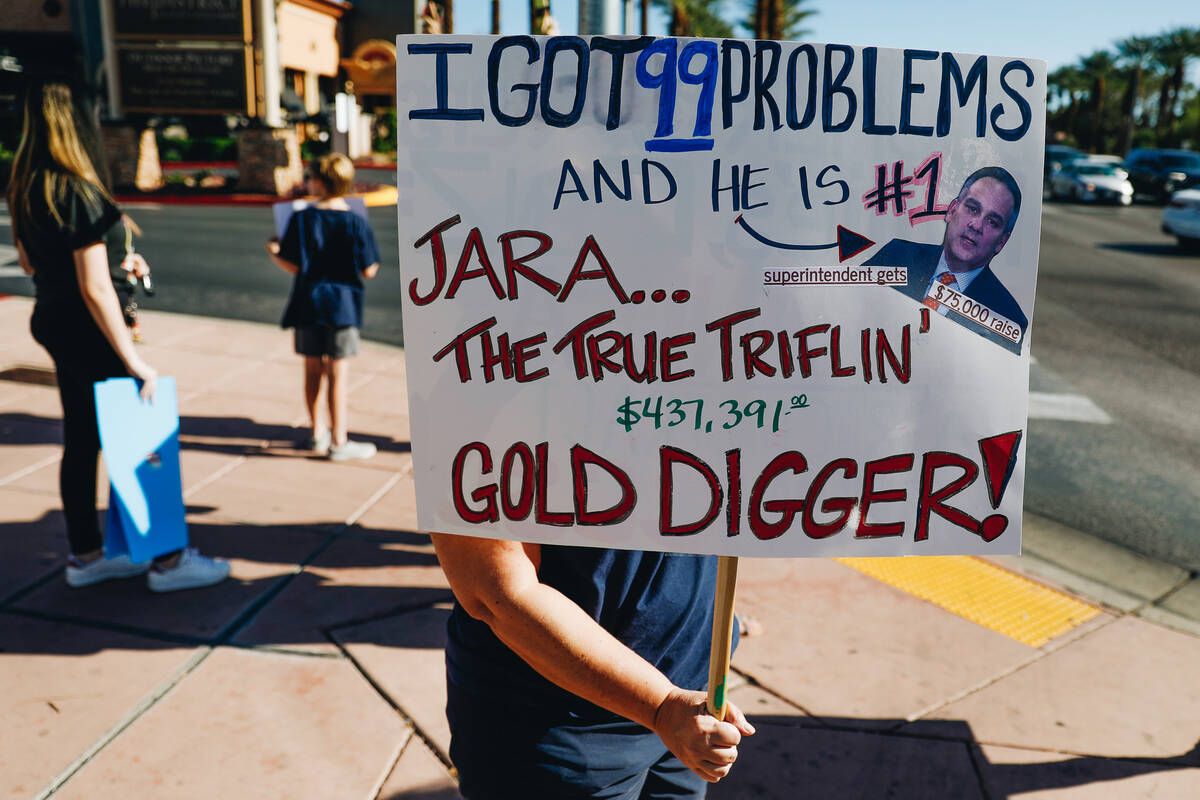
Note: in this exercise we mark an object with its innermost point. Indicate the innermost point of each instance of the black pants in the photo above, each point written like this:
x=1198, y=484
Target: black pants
x=81, y=356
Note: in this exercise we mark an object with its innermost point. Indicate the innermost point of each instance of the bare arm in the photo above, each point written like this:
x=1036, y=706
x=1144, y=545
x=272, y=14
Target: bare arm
x=95, y=283
x=497, y=583
x=23, y=259
x=282, y=263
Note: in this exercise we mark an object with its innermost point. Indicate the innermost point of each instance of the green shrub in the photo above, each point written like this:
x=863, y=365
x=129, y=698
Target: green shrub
x=221, y=148
x=6, y=161
x=311, y=149
x=383, y=139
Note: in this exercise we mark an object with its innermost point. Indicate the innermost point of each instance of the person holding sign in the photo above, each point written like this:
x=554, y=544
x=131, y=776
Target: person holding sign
x=978, y=224
x=61, y=215
x=330, y=250
x=577, y=672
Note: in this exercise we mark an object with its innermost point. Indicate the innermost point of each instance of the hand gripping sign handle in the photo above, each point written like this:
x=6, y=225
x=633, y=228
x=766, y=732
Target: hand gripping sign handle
x=722, y=636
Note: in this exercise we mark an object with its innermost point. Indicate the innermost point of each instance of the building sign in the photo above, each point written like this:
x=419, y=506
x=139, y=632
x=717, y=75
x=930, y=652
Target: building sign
x=188, y=19
x=184, y=80
x=308, y=39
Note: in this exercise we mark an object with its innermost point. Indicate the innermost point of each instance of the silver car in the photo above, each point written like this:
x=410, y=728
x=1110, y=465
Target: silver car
x=1092, y=182
x=1181, y=218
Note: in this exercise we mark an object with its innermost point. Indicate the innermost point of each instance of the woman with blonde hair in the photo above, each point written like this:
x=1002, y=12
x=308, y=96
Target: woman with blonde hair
x=61, y=214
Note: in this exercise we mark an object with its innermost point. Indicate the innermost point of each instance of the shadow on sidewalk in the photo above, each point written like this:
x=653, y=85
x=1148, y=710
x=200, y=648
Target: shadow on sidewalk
x=347, y=579
x=229, y=435
x=840, y=758
x=1165, y=248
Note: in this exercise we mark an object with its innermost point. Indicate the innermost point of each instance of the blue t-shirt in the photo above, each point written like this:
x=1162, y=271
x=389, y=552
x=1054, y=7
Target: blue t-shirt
x=332, y=248
x=660, y=605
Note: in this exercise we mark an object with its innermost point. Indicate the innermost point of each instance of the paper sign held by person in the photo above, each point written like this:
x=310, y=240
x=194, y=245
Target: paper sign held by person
x=140, y=441
x=719, y=296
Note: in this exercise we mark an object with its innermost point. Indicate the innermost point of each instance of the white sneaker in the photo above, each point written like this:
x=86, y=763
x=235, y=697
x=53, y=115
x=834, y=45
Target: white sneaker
x=351, y=451
x=192, y=572
x=80, y=574
x=319, y=442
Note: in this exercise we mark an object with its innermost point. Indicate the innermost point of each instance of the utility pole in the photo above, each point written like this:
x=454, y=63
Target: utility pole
x=599, y=17
x=272, y=82
x=495, y=17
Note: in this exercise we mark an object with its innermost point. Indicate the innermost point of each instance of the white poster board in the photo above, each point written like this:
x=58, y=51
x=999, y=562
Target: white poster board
x=682, y=294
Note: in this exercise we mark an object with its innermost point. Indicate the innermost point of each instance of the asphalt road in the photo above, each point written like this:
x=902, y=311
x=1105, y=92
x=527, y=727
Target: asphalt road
x=209, y=260
x=1114, y=433
x=1117, y=325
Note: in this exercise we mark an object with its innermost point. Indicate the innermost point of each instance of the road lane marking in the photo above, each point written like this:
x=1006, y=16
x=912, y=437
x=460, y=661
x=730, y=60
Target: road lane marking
x=1069, y=407
x=983, y=593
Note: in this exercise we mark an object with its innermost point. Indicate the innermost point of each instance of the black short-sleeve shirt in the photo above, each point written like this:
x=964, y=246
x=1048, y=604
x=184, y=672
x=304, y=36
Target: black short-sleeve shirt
x=61, y=321
x=87, y=215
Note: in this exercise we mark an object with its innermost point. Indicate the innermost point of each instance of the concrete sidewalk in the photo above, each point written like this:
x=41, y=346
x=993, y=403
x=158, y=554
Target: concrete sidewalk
x=316, y=670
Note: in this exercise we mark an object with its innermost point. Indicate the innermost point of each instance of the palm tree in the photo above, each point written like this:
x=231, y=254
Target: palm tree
x=1098, y=67
x=696, y=18
x=1136, y=52
x=1071, y=84
x=1172, y=51
x=776, y=19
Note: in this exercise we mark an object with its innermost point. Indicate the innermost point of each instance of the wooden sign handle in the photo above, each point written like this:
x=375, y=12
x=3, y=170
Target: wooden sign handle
x=722, y=635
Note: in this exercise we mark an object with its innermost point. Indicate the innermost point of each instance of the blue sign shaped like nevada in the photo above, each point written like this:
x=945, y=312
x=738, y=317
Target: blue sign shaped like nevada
x=140, y=442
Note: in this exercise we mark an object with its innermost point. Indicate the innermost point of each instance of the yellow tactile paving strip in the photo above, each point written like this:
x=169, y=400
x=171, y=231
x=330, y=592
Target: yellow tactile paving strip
x=383, y=196
x=983, y=593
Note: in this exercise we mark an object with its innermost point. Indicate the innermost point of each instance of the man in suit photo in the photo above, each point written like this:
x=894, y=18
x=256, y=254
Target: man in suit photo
x=978, y=224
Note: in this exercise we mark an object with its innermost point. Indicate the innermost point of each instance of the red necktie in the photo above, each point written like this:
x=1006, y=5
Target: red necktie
x=946, y=279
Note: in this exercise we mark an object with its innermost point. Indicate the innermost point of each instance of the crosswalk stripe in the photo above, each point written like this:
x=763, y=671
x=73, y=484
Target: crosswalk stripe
x=1069, y=407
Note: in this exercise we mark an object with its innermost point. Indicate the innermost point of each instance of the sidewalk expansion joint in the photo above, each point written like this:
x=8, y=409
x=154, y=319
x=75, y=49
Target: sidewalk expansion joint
x=1035, y=657
x=31, y=588
x=282, y=650
x=978, y=761
x=379, y=616
x=226, y=634
x=32, y=468
x=216, y=476
x=372, y=500
x=1184, y=581
x=387, y=698
x=753, y=682
x=161, y=691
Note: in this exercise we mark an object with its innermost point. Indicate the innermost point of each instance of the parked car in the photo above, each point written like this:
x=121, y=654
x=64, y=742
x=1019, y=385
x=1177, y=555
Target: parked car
x=1161, y=172
x=1057, y=155
x=1181, y=218
x=1092, y=181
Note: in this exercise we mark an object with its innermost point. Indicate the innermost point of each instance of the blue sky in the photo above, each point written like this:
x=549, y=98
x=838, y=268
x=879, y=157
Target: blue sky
x=1058, y=31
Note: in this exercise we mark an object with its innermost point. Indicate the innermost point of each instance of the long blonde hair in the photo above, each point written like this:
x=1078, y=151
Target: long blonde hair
x=59, y=152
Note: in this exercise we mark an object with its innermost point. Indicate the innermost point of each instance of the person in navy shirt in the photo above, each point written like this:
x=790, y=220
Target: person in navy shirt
x=330, y=250
x=577, y=672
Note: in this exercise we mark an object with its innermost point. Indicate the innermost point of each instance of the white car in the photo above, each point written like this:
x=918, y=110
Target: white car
x=1092, y=181
x=1181, y=218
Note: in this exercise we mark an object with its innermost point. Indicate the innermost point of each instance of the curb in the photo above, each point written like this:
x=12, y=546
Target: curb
x=383, y=196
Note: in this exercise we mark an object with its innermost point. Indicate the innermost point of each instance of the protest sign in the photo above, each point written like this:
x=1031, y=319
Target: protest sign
x=140, y=443
x=733, y=297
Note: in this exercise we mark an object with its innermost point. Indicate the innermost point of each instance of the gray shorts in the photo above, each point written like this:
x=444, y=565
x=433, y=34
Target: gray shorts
x=318, y=340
